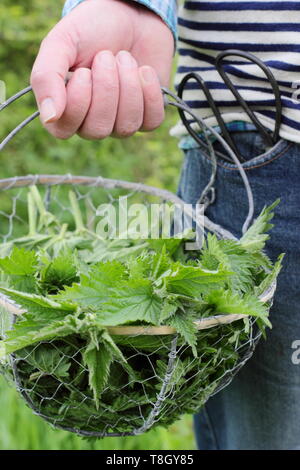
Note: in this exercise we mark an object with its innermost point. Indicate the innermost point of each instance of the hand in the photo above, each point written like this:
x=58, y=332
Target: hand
x=120, y=54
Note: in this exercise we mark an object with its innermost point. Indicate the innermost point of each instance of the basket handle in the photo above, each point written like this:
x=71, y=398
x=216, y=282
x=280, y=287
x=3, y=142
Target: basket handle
x=170, y=99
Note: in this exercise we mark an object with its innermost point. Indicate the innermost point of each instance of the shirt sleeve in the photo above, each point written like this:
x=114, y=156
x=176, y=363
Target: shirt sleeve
x=166, y=9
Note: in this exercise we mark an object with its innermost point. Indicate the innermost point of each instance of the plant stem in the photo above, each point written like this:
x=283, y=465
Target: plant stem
x=76, y=212
x=32, y=215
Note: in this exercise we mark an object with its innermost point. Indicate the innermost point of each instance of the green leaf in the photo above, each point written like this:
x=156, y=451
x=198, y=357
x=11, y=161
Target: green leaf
x=235, y=258
x=170, y=245
x=255, y=237
x=106, y=250
x=270, y=277
x=27, y=332
x=185, y=327
x=134, y=300
x=242, y=263
x=169, y=308
x=227, y=302
x=95, y=287
x=48, y=360
x=212, y=255
x=59, y=272
x=20, y=262
x=41, y=308
x=98, y=360
x=193, y=281
x=20, y=266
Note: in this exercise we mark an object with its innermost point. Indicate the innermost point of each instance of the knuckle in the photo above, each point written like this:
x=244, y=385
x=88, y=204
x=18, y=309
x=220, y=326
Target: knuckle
x=37, y=77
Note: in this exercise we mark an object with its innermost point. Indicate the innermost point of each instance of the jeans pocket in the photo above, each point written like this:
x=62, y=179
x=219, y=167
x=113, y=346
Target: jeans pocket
x=250, y=145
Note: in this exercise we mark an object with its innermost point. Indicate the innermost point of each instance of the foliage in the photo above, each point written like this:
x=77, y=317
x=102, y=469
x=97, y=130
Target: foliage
x=63, y=341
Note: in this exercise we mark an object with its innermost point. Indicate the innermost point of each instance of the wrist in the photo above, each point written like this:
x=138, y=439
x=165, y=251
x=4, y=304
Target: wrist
x=166, y=10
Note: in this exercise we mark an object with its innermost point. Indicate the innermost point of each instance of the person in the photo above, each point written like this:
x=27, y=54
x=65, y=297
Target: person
x=120, y=53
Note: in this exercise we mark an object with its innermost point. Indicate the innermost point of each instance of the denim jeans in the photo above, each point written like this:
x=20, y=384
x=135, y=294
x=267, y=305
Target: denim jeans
x=260, y=409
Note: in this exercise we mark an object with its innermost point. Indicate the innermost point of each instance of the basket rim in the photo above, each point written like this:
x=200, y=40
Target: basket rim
x=159, y=330
x=108, y=183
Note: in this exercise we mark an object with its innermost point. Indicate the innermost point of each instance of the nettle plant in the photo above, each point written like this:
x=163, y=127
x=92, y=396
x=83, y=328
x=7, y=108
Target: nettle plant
x=114, y=336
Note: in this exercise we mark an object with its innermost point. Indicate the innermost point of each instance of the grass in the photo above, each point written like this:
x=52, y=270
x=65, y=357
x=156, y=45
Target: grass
x=20, y=429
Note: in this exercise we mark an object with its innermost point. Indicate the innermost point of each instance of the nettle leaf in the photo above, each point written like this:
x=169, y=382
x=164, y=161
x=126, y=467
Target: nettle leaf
x=170, y=245
x=48, y=360
x=161, y=262
x=270, y=277
x=59, y=272
x=94, y=288
x=232, y=256
x=184, y=325
x=226, y=302
x=98, y=359
x=21, y=266
x=149, y=265
x=109, y=272
x=242, y=263
x=134, y=300
x=212, y=255
x=193, y=281
x=21, y=262
x=107, y=250
x=169, y=308
x=139, y=267
x=41, y=308
x=255, y=237
x=28, y=333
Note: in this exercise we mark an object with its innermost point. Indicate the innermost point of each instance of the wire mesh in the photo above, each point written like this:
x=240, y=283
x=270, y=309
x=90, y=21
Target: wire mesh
x=162, y=379
x=158, y=378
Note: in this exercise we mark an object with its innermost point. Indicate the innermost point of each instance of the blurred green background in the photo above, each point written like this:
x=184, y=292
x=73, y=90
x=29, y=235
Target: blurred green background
x=151, y=158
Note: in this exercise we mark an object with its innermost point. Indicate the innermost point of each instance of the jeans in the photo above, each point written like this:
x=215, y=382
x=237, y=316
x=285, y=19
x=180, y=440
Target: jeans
x=260, y=409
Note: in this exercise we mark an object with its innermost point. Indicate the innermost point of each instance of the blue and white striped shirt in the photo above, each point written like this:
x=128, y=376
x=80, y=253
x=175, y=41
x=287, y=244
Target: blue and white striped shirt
x=270, y=30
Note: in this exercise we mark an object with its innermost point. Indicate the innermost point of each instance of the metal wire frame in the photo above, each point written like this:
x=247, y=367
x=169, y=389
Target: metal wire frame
x=172, y=100
x=246, y=349
x=48, y=180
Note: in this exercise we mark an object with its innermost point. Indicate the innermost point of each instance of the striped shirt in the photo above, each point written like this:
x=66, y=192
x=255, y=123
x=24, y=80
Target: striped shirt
x=269, y=30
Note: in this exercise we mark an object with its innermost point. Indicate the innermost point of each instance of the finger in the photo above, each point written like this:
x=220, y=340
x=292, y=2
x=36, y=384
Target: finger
x=131, y=104
x=56, y=56
x=79, y=95
x=154, y=112
x=100, y=120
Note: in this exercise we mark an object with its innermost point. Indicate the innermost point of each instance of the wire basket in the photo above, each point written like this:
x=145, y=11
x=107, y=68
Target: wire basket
x=160, y=378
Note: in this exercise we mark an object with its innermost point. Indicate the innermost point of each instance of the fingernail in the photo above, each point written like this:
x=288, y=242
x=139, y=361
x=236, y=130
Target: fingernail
x=106, y=59
x=125, y=59
x=148, y=74
x=47, y=110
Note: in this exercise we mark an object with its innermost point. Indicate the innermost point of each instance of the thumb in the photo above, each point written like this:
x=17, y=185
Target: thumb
x=56, y=56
